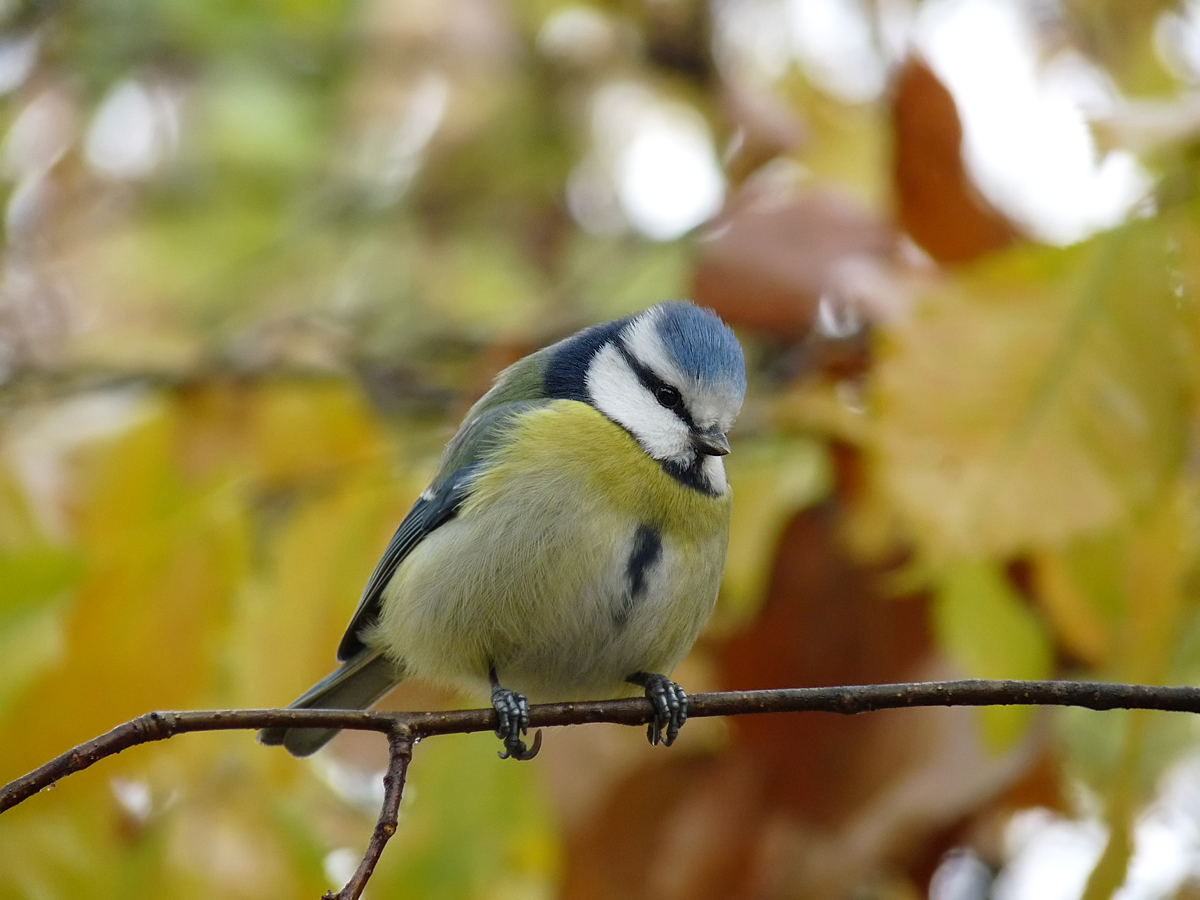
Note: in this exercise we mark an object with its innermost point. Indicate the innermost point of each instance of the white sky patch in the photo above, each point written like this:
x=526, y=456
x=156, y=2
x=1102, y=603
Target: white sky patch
x=752, y=39
x=832, y=40
x=17, y=57
x=40, y=135
x=133, y=130
x=577, y=34
x=1177, y=36
x=652, y=166
x=668, y=177
x=41, y=442
x=1050, y=857
x=339, y=866
x=393, y=152
x=1026, y=137
x=353, y=785
x=134, y=797
x=1167, y=837
x=844, y=46
x=961, y=876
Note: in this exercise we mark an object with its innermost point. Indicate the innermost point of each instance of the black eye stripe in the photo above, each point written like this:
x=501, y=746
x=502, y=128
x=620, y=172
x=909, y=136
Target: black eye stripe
x=653, y=384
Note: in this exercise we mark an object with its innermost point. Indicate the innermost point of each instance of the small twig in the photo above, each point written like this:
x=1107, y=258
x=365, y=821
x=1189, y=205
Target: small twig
x=399, y=755
x=405, y=728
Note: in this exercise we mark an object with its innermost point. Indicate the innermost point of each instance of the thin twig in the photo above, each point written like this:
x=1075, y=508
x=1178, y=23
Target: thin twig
x=847, y=700
x=405, y=728
x=158, y=726
x=400, y=745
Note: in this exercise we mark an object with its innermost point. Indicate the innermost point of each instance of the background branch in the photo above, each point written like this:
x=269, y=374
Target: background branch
x=404, y=728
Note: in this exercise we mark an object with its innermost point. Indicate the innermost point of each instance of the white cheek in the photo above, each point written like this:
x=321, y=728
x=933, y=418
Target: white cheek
x=714, y=474
x=617, y=392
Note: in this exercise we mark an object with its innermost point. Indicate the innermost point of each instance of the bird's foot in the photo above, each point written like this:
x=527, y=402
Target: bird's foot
x=670, y=706
x=512, y=721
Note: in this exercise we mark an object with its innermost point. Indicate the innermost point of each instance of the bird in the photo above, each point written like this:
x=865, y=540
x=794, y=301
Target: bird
x=572, y=541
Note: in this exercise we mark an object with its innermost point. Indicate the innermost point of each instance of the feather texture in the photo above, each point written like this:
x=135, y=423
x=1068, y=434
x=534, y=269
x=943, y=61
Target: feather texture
x=574, y=533
x=549, y=528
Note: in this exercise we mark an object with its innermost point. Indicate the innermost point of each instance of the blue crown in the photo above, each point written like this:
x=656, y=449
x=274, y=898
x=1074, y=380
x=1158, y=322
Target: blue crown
x=703, y=346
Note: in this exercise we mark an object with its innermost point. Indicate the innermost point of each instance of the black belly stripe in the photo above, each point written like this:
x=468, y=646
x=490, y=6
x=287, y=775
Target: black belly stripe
x=647, y=550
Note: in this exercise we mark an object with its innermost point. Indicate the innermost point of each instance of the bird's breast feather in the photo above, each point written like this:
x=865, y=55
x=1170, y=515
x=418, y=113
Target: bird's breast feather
x=567, y=446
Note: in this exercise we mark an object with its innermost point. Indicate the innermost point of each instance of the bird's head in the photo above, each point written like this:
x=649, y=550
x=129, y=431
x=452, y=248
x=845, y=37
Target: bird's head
x=673, y=377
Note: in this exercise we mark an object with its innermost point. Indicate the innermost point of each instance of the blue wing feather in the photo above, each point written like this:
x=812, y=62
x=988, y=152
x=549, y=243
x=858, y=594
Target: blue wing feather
x=464, y=457
x=426, y=515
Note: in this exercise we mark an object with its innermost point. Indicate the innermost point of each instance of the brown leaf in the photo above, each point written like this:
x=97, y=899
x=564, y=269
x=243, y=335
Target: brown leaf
x=935, y=201
x=685, y=829
x=825, y=623
x=771, y=255
x=766, y=127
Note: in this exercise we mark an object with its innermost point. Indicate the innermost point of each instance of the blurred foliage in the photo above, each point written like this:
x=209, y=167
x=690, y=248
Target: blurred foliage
x=260, y=258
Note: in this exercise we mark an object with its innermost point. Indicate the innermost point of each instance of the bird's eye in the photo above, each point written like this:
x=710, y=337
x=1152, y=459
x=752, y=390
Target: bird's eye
x=667, y=396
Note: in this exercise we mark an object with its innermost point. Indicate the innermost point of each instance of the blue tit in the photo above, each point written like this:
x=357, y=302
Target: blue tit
x=572, y=542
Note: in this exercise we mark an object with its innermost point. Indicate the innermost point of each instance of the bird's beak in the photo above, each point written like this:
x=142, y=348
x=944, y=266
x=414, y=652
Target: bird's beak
x=710, y=443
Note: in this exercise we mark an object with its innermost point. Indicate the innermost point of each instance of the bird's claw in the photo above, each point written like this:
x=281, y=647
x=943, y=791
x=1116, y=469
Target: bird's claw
x=670, y=709
x=518, y=750
x=512, y=721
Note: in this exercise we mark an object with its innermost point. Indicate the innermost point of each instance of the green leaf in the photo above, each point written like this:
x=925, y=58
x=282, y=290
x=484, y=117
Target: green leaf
x=32, y=584
x=471, y=827
x=990, y=632
x=32, y=577
x=29, y=645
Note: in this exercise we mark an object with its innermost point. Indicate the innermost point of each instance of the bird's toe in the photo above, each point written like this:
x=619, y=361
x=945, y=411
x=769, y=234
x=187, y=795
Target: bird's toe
x=512, y=721
x=670, y=709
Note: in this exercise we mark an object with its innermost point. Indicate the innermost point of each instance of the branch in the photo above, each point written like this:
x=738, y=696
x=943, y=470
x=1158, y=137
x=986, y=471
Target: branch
x=400, y=743
x=405, y=728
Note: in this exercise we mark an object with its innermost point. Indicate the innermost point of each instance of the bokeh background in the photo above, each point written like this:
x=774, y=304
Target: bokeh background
x=259, y=258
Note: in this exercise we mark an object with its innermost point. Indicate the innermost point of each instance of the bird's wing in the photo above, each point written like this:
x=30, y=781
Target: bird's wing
x=438, y=505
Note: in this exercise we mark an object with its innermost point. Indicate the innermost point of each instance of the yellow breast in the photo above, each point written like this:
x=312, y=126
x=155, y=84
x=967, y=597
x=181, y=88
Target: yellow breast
x=569, y=441
x=529, y=577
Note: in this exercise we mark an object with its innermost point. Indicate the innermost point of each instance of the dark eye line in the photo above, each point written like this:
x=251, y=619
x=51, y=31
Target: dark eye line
x=654, y=385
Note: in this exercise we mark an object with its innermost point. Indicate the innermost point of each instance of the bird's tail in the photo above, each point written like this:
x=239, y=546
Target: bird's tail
x=355, y=684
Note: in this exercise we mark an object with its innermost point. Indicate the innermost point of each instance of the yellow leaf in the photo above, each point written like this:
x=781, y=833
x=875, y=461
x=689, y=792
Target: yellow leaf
x=320, y=557
x=1081, y=627
x=309, y=429
x=1037, y=397
x=163, y=556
